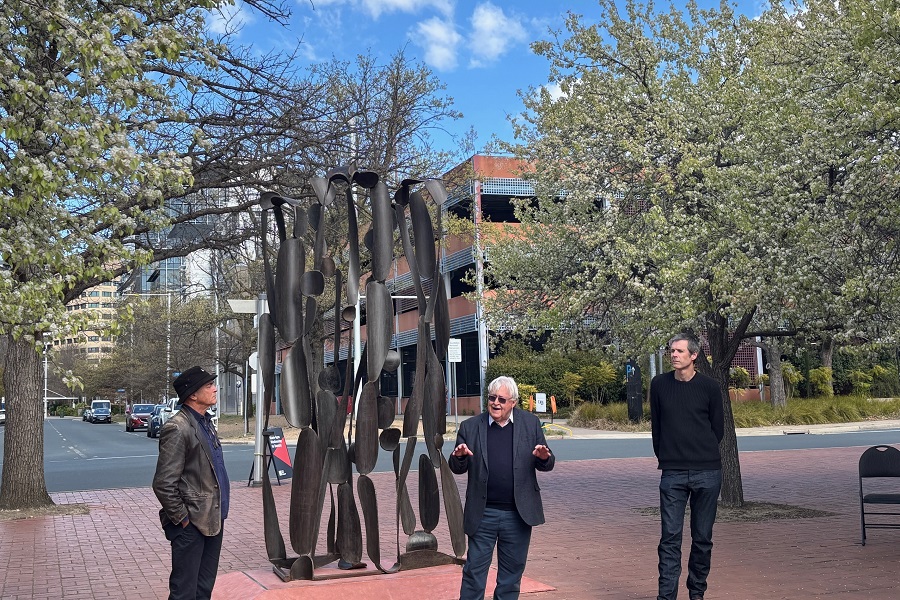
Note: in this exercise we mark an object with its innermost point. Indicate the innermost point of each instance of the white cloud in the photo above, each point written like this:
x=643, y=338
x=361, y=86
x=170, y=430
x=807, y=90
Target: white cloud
x=493, y=33
x=555, y=91
x=229, y=17
x=440, y=41
x=378, y=7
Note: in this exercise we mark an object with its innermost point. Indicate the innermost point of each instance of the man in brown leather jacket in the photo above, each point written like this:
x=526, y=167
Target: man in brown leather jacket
x=192, y=486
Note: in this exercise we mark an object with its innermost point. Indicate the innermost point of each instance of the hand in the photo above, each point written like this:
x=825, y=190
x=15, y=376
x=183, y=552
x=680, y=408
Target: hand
x=542, y=452
x=461, y=450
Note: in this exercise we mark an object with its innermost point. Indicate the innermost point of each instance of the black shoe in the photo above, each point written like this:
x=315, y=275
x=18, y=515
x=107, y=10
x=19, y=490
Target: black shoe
x=696, y=597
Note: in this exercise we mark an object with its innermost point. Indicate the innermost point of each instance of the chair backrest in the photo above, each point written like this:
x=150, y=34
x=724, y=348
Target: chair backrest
x=880, y=461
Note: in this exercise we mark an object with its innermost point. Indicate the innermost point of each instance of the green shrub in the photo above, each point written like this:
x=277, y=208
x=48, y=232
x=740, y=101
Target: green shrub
x=526, y=391
x=597, y=378
x=862, y=382
x=885, y=382
x=738, y=377
x=610, y=415
x=571, y=382
x=820, y=381
x=545, y=370
x=798, y=412
x=587, y=413
x=791, y=376
x=810, y=411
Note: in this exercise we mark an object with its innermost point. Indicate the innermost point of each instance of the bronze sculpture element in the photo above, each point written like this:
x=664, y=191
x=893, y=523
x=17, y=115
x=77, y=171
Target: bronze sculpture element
x=327, y=449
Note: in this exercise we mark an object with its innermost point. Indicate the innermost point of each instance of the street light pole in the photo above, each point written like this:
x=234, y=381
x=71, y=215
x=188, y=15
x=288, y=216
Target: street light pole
x=168, y=345
x=260, y=306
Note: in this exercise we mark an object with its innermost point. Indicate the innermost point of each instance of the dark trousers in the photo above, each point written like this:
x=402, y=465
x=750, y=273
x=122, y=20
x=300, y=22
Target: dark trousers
x=195, y=561
x=676, y=488
x=511, y=535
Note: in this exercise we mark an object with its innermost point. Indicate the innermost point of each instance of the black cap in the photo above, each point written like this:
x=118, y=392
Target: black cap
x=190, y=381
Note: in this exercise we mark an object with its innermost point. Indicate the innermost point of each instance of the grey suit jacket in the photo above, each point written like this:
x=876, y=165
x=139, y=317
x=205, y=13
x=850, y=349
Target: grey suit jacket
x=185, y=481
x=527, y=434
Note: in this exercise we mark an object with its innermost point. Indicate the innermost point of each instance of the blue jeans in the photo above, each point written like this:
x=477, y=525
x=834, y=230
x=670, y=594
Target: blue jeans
x=511, y=535
x=675, y=488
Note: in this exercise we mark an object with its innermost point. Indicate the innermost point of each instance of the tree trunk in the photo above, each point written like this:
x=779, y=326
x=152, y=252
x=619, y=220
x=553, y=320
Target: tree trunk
x=23, y=444
x=723, y=345
x=776, y=374
x=732, y=494
x=825, y=355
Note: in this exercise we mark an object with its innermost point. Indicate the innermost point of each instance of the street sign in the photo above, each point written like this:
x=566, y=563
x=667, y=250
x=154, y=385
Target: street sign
x=254, y=361
x=454, y=350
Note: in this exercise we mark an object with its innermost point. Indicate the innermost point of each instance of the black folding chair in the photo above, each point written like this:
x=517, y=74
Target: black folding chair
x=882, y=462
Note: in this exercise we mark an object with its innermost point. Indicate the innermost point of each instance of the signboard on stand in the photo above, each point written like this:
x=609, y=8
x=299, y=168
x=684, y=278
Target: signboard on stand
x=540, y=402
x=281, y=458
x=454, y=355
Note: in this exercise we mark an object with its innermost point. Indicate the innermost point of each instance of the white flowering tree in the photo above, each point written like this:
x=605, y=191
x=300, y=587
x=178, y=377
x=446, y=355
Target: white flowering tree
x=132, y=133
x=683, y=184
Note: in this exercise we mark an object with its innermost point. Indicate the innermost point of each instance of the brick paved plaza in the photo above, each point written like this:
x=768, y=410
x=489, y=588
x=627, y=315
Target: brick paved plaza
x=595, y=545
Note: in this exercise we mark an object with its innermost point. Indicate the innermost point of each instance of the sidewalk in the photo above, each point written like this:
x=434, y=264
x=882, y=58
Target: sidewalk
x=595, y=545
x=560, y=429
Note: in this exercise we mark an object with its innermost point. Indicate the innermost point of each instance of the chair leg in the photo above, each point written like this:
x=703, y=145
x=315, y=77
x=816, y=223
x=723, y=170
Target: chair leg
x=862, y=522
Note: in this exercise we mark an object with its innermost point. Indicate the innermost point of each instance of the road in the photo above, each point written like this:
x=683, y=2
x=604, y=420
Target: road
x=82, y=456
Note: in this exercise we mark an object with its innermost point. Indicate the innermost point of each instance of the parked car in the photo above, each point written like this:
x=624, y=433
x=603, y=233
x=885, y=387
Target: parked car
x=86, y=414
x=100, y=412
x=2, y=416
x=161, y=413
x=138, y=416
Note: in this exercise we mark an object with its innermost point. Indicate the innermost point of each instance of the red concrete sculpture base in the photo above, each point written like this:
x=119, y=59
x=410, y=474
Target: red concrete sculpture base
x=434, y=583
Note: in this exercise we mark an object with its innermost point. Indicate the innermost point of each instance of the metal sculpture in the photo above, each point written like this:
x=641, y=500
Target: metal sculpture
x=326, y=456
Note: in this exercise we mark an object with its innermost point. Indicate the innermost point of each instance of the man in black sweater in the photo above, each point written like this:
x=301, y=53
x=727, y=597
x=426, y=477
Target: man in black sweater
x=501, y=450
x=687, y=419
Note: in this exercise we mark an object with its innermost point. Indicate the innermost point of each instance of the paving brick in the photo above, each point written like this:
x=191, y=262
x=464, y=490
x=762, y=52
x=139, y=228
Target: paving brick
x=595, y=544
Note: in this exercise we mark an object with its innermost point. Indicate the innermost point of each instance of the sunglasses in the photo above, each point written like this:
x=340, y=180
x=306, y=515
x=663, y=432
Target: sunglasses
x=499, y=399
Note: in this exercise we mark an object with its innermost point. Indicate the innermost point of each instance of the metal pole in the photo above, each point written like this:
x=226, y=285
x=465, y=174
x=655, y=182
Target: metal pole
x=168, y=344
x=479, y=292
x=455, y=397
x=262, y=307
x=445, y=281
x=218, y=381
x=246, y=397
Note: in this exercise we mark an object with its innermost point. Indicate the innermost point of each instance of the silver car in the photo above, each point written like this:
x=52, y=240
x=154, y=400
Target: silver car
x=160, y=414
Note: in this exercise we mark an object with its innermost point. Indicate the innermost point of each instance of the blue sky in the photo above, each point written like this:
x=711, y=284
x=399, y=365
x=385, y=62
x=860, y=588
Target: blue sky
x=478, y=48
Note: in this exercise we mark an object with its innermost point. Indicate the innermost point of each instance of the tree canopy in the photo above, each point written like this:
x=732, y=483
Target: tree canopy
x=129, y=133
x=708, y=172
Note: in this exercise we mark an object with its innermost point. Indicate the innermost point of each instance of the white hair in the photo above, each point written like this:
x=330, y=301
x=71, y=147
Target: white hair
x=507, y=382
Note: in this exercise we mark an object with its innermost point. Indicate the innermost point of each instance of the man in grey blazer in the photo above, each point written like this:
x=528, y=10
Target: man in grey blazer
x=502, y=450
